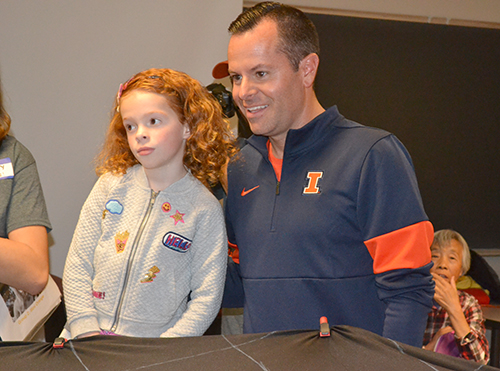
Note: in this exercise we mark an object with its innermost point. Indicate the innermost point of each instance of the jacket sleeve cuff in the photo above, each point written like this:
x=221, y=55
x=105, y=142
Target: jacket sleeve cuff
x=83, y=325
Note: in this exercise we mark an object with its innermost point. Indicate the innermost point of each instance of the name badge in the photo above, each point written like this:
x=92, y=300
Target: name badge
x=6, y=169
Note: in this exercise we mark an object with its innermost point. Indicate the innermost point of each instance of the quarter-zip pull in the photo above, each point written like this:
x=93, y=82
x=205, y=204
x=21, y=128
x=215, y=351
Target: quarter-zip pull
x=277, y=188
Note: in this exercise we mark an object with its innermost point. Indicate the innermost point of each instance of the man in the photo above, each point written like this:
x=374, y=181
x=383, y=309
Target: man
x=324, y=215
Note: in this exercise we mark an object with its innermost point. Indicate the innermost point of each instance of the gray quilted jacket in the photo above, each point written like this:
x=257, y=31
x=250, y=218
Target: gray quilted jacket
x=145, y=264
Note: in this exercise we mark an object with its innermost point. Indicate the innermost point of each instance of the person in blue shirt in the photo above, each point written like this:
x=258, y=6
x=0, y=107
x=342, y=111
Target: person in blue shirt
x=324, y=215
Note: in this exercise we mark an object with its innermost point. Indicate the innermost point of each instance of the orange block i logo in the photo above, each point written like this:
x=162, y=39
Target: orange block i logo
x=312, y=187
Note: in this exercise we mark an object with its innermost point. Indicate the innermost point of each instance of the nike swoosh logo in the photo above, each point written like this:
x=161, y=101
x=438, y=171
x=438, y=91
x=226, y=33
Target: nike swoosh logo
x=244, y=193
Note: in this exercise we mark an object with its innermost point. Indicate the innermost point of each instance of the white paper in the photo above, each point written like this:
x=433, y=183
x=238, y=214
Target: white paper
x=22, y=314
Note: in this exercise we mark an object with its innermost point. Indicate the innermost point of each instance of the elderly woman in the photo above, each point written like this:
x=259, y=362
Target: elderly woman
x=457, y=315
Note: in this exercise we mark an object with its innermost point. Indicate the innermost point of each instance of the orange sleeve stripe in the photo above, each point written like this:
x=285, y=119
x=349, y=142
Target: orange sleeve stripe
x=407, y=247
x=234, y=252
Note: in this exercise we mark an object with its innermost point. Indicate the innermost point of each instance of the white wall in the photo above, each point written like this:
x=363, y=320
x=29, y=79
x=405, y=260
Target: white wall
x=61, y=63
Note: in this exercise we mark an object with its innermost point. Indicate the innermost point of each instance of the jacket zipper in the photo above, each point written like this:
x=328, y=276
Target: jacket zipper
x=276, y=194
x=131, y=257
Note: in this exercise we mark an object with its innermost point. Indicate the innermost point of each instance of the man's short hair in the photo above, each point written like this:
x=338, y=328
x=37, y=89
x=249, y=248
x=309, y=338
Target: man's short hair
x=443, y=238
x=297, y=34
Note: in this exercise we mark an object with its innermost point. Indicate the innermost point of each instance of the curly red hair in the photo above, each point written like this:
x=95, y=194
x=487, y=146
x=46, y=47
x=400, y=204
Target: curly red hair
x=210, y=144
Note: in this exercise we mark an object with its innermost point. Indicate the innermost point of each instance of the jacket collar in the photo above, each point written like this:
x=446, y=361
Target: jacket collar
x=300, y=140
x=185, y=184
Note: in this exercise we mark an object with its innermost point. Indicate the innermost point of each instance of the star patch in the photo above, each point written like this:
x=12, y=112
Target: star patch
x=151, y=275
x=178, y=217
x=120, y=241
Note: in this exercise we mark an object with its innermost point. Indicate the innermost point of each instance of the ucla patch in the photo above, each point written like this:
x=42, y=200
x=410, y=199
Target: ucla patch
x=121, y=241
x=6, y=169
x=176, y=242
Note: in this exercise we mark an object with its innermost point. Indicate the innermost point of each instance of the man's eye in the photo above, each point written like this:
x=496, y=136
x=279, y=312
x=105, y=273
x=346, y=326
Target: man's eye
x=235, y=78
x=261, y=73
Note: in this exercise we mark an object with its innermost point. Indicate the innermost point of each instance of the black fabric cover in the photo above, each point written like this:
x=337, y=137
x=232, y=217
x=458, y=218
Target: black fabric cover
x=485, y=276
x=347, y=348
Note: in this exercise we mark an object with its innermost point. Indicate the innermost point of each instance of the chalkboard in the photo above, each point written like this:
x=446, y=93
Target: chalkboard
x=436, y=87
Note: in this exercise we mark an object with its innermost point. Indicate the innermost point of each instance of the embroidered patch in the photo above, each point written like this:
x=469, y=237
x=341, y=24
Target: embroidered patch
x=176, y=242
x=98, y=295
x=178, y=217
x=166, y=207
x=114, y=207
x=312, y=187
x=120, y=241
x=6, y=168
x=151, y=275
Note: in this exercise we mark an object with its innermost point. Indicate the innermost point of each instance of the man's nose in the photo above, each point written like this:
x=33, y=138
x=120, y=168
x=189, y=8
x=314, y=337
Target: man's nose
x=246, y=89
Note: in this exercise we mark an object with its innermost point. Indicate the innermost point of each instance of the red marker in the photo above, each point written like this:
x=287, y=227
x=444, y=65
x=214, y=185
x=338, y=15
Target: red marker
x=324, y=327
x=59, y=343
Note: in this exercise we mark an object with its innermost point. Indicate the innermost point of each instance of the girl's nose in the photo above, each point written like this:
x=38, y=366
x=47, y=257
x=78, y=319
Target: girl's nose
x=141, y=134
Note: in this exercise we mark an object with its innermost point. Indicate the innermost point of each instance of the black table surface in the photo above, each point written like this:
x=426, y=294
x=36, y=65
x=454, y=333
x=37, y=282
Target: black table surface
x=347, y=348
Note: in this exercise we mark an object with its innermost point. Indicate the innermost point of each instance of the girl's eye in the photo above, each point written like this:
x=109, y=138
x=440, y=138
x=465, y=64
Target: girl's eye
x=129, y=127
x=154, y=121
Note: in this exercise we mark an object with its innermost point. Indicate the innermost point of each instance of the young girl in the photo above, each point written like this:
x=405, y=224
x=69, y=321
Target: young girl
x=148, y=257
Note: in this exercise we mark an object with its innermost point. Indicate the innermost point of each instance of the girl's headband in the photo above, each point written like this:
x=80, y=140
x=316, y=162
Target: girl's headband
x=124, y=86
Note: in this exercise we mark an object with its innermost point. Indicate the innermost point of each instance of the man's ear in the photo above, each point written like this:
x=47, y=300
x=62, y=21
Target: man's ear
x=309, y=67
